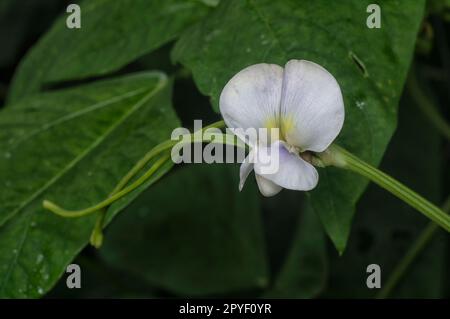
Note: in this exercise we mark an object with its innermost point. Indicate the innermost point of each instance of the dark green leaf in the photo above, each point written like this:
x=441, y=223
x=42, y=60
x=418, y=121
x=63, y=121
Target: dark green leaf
x=112, y=34
x=71, y=147
x=369, y=64
x=192, y=234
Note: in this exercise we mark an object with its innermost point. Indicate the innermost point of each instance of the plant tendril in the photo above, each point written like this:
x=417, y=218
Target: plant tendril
x=96, y=238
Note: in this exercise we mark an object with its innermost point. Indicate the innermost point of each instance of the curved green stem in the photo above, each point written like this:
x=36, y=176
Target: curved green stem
x=96, y=238
x=158, y=149
x=79, y=213
x=429, y=109
x=97, y=233
x=416, y=248
x=119, y=191
x=226, y=139
x=427, y=106
x=339, y=157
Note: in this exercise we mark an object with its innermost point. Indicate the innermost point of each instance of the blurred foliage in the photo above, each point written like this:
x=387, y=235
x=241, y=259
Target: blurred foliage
x=113, y=34
x=26, y=20
x=21, y=24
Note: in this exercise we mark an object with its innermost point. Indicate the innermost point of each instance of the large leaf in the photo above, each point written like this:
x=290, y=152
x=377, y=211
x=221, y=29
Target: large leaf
x=112, y=34
x=72, y=147
x=194, y=234
x=369, y=64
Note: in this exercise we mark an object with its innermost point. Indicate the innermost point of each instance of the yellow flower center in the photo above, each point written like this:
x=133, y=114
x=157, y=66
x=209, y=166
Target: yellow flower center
x=285, y=124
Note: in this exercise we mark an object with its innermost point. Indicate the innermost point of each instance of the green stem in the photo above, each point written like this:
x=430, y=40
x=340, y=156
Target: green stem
x=339, y=157
x=429, y=109
x=96, y=239
x=154, y=152
x=416, y=248
x=158, y=149
x=80, y=213
x=119, y=191
x=427, y=106
x=97, y=234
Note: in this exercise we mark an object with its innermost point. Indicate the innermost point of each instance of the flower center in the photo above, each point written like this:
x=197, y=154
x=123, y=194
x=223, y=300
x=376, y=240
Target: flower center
x=285, y=124
x=293, y=149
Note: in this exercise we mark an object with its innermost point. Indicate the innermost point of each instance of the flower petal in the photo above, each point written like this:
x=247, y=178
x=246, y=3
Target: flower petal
x=244, y=171
x=267, y=187
x=292, y=172
x=312, y=109
x=251, y=99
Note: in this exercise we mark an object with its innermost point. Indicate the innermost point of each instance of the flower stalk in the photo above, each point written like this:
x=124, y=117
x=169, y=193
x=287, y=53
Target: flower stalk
x=337, y=156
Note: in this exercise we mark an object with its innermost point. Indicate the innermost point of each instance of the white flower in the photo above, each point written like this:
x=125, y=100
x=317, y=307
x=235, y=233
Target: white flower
x=303, y=100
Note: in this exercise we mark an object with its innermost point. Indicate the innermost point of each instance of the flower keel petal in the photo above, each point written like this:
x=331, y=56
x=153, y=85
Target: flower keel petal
x=245, y=169
x=267, y=187
x=292, y=172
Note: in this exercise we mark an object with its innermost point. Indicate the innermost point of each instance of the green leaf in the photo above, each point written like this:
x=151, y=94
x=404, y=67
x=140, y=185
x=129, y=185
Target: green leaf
x=304, y=271
x=369, y=64
x=112, y=34
x=193, y=234
x=71, y=147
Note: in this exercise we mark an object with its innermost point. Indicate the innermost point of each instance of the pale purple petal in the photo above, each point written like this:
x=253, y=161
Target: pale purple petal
x=292, y=172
